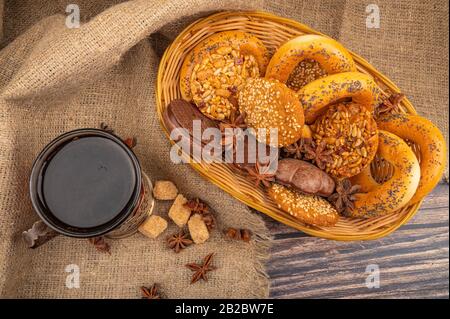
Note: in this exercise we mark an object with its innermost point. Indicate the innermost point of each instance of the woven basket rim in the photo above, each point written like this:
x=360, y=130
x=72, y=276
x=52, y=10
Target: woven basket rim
x=412, y=210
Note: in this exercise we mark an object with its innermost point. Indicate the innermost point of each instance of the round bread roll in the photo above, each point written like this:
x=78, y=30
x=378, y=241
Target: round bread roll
x=350, y=132
x=245, y=43
x=270, y=104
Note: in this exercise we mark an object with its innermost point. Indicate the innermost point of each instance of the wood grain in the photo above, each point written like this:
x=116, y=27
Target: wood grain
x=413, y=261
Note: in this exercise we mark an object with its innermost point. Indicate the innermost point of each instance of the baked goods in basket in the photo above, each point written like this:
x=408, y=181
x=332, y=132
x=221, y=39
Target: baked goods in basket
x=432, y=148
x=216, y=69
x=270, y=104
x=381, y=199
x=333, y=113
x=350, y=132
x=328, y=53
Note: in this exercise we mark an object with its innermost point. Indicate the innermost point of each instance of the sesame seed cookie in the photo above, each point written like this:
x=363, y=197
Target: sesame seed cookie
x=309, y=209
x=270, y=104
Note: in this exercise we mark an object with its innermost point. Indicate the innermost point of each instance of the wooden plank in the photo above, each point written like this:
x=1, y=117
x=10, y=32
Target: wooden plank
x=413, y=261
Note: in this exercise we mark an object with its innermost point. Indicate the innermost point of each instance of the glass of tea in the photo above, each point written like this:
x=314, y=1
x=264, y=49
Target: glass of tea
x=88, y=183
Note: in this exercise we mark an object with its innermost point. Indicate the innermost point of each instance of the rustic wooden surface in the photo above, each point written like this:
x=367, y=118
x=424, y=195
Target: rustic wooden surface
x=413, y=261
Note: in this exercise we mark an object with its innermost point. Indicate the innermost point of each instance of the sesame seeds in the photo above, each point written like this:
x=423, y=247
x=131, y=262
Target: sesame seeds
x=309, y=209
x=269, y=104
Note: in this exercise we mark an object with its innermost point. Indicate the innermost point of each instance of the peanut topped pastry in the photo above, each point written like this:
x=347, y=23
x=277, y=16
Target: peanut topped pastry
x=216, y=69
x=270, y=104
x=349, y=133
x=217, y=79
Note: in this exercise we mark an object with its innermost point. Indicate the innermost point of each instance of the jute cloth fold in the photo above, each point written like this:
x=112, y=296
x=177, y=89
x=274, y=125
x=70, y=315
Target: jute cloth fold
x=53, y=79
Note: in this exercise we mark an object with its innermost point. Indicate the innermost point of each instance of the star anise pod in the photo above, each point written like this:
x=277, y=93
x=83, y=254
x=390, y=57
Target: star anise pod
x=318, y=154
x=130, y=142
x=344, y=196
x=296, y=149
x=198, y=207
x=261, y=174
x=238, y=234
x=38, y=234
x=232, y=131
x=105, y=127
x=235, y=122
x=389, y=105
x=150, y=292
x=235, y=103
x=100, y=244
x=179, y=241
x=200, y=270
x=209, y=220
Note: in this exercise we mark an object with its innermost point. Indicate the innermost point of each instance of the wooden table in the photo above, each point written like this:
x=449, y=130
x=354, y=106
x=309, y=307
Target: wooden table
x=413, y=261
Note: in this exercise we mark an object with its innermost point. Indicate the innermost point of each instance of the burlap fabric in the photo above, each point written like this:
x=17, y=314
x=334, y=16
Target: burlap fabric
x=53, y=79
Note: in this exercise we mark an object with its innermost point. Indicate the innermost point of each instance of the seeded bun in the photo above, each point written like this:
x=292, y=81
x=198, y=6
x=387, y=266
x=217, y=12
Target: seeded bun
x=270, y=104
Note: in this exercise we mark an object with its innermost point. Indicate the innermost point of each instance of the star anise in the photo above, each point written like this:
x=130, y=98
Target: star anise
x=179, y=241
x=38, y=234
x=318, y=154
x=389, y=105
x=130, y=142
x=232, y=131
x=198, y=207
x=261, y=174
x=238, y=234
x=100, y=244
x=235, y=103
x=209, y=220
x=235, y=122
x=344, y=196
x=105, y=127
x=200, y=270
x=296, y=149
x=150, y=292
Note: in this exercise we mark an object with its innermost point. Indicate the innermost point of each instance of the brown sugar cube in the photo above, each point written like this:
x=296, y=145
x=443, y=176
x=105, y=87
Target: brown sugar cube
x=178, y=212
x=153, y=226
x=197, y=229
x=165, y=190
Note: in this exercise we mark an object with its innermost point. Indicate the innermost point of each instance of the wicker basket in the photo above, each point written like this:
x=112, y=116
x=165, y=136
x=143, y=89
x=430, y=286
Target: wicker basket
x=273, y=31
